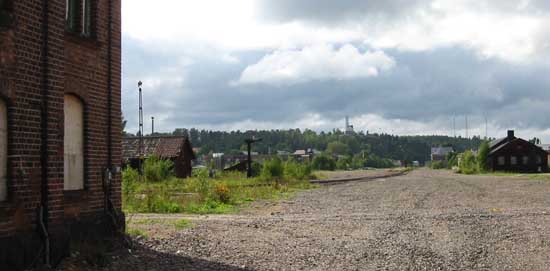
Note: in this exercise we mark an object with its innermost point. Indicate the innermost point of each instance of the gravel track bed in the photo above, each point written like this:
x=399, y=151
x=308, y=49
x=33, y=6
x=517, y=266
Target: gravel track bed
x=425, y=220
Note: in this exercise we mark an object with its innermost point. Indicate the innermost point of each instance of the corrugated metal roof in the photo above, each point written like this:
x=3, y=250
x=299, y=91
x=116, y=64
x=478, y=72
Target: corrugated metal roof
x=163, y=147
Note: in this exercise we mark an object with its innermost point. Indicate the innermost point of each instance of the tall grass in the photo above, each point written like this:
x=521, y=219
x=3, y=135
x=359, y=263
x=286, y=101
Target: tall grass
x=201, y=194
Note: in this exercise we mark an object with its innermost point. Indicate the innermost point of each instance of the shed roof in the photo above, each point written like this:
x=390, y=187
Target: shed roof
x=161, y=146
x=496, y=142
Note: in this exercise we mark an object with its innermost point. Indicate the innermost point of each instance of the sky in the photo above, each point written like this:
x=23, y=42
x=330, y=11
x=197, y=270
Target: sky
x=403, y=67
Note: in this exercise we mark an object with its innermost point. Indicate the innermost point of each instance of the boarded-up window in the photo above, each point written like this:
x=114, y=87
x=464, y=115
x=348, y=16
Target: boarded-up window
x=3, y=151
x=74, y=144
x=513, y=160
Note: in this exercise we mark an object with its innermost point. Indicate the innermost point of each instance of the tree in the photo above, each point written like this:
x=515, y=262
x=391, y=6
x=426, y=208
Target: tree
x=337, y=148
x=482, y=155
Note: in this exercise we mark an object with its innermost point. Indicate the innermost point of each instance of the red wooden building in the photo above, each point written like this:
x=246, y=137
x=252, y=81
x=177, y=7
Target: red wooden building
x=514, y=154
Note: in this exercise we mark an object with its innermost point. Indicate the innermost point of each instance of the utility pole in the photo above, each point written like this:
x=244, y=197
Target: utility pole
x=485, y=115
x=152, y=125
x=466, y=126
x=141, y=154
x=454, y=126
x=249, y=149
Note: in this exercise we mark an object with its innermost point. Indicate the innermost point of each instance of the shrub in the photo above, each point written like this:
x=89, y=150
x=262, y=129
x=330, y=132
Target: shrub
x=273, y=169
x=156, y=170
x=438, y=165
x=468, y=163
x=482, y=156
x=323, y=162
x=343, y=163
x=297, y=171
x=129, y=178
x=222, y=192
x=452, y=160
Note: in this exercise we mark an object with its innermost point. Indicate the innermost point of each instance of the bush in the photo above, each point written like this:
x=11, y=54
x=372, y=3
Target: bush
x=468, y=163
x=222, y=192
x=343, y=163
x=273, y=169
x=156, y=170
x=297, y=171
x=129, y=179
x=323, y=162
x=438, y=165
x=452, y=160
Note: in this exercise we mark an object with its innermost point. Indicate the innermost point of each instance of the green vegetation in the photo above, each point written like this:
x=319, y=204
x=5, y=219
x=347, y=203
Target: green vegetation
x=156, y=169
x=482, y=155
x=181, y=224
x=136, y=232
x=409, y=148
x=437, y=165
x=203, y=195
x=468, y=163
x=323, y=162
x=178, y=224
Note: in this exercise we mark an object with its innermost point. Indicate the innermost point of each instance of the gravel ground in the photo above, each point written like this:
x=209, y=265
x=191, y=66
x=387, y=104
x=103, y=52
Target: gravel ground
x=425, y=220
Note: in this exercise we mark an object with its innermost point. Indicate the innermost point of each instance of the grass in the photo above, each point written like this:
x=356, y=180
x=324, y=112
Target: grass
x=181, y=224
x=202, y=195
x=136, y=232
x=178, y=224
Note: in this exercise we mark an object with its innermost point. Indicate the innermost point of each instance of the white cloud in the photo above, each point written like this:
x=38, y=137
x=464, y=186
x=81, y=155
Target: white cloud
x=508, y=36
x=324, y=62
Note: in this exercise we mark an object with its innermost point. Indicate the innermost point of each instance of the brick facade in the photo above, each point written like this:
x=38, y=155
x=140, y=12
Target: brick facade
x=40, y=62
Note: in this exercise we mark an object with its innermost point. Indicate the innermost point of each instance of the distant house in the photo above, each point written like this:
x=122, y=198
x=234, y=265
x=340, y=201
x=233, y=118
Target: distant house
x=516, y=155
x=175, y=148
x=305, y=155
x=440, y=153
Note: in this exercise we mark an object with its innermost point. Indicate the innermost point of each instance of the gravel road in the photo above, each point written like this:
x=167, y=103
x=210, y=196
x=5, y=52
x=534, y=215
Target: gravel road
x=425, y=220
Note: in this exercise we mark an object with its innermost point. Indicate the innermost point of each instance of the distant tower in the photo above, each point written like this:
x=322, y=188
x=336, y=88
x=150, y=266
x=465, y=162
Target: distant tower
x=349, y=128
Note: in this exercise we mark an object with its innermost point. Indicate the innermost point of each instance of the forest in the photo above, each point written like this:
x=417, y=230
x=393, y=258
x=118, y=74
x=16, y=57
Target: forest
x=410, y=148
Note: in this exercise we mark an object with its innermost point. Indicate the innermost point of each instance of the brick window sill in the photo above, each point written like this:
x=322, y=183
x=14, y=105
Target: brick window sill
x=77, y=37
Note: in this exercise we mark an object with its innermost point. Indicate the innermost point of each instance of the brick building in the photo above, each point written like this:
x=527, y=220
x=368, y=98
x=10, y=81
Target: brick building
x=60, y=128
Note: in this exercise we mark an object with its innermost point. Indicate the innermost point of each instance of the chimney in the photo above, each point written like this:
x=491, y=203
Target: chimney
x=511, y=134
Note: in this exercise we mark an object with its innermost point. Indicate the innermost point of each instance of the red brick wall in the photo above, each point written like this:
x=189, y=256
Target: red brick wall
x=75, y=65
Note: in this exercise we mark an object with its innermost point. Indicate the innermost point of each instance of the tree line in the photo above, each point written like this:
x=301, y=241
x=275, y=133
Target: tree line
x=409, y=148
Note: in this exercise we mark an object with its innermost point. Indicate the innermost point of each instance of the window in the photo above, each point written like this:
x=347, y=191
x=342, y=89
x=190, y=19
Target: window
x=513, y=160
x=87, y=18
x=3, y=151
x=525, y=160
x=501, y=160
x=78, y=14
x=73, y=144
x=5, y=12
x=539, y=160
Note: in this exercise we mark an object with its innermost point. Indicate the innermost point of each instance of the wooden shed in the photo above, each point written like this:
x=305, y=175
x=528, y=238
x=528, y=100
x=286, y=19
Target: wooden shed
x=178, y=149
